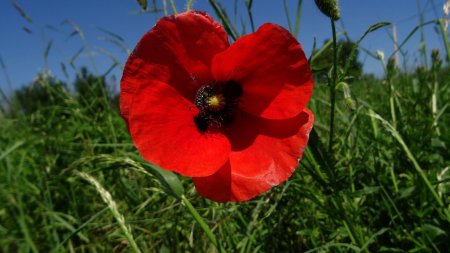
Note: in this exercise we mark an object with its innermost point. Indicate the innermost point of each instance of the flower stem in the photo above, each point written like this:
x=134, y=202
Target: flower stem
x=337, y=200
x=202, y=223
x=332, y=86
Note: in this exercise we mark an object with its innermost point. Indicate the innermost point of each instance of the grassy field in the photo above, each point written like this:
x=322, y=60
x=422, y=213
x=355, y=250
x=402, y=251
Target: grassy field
x=72, y=181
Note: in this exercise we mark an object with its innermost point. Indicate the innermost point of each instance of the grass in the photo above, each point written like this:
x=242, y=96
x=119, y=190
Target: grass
x=72, y=180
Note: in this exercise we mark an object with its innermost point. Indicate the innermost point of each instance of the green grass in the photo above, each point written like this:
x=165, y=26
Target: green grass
x=72, y=180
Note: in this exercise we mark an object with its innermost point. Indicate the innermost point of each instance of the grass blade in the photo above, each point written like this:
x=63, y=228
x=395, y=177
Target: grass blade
x=371, y=29
x=189, y=5
x=22, y=12
x=82, y=226
x=414, y=30
x=286, y=11
x=298, y=16
x=201, y=222
x=143, y=4
x=11, y=149
x=248, y=4
x=107, y=198
x=411, y=157
x=220, y=12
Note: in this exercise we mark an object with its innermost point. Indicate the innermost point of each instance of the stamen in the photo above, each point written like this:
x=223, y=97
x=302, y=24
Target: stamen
x=216, y=102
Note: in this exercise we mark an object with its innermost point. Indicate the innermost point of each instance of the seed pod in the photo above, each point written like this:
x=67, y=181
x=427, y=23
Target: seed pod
x=330, y=8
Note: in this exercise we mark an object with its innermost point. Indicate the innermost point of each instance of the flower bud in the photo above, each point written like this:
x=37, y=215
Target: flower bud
x=435, y=59
x=380, y=55
x=435, y=54
x=330, y=8
x=391, y=68
x=446, y=8
x=446, y=19
x=349, y=101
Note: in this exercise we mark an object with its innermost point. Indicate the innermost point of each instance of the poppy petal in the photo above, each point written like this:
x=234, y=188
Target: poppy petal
x=161, y=124
x=178, y=50
x=133, y=76
x=258, y=161
x=272, y=68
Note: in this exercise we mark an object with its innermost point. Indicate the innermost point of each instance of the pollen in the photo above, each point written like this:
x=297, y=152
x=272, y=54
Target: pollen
x=216, y=102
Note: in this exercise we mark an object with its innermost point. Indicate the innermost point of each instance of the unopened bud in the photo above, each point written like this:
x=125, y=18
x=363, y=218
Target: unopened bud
x=391, y=67
x=380, y=55
x=391, y=63
x=435, y=59
x=446, y=8
x=330, y=8
x=347, y=95
x=446, y=19
x=435, y=54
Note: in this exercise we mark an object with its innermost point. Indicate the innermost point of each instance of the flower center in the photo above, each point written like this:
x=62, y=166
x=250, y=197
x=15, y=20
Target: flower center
x=217, y=102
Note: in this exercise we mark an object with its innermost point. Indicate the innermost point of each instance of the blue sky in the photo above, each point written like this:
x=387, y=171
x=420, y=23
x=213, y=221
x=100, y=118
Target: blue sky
x=23, y=43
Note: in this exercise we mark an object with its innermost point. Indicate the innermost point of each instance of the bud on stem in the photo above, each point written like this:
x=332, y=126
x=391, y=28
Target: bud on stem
x=330, y=8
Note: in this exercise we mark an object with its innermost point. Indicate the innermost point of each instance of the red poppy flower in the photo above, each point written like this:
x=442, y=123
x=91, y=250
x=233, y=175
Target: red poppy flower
x=233, y=117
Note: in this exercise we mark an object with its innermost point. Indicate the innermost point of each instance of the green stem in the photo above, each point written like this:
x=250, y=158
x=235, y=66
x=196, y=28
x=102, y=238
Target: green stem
x=202, y=223
x=332, y=86
x=392, y=105
x=434, y=102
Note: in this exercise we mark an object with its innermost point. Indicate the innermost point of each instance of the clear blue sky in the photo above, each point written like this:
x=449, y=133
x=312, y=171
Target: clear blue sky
x=22, y=51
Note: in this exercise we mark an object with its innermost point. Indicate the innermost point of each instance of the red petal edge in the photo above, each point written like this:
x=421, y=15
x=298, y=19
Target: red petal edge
x=258, y=161
x=273, y=70
x=178, y=50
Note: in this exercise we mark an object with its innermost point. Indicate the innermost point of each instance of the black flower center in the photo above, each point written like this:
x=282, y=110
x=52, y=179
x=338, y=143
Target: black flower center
x=217, y=102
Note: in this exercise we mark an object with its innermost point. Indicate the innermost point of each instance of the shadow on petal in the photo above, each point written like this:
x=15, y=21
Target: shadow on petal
x=243, y=132
x=216, y=187
x=270, y=153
